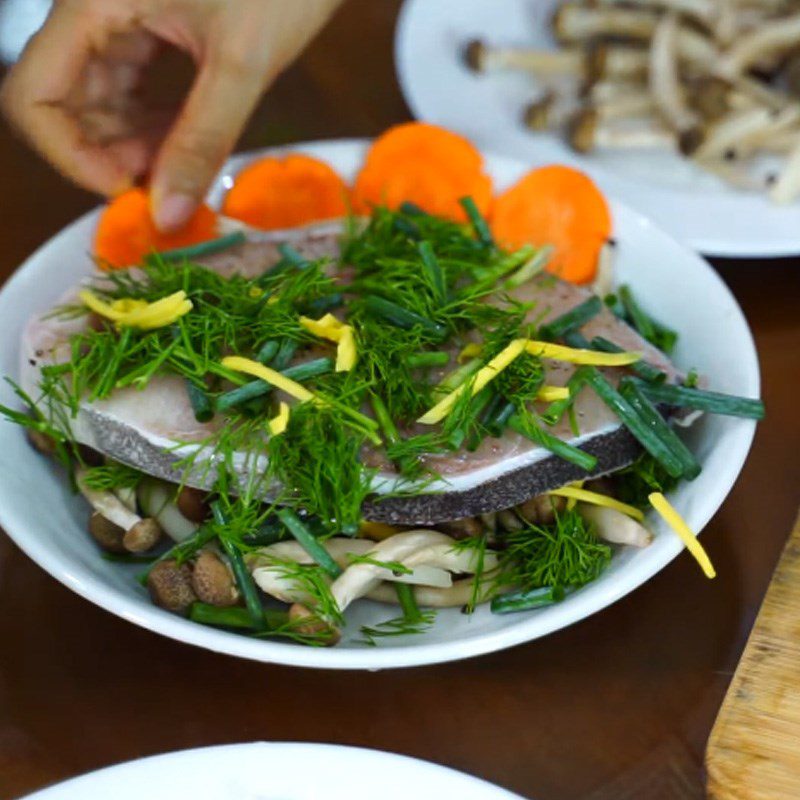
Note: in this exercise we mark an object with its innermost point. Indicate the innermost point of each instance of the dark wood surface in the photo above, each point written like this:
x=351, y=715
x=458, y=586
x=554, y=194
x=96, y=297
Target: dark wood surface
x=618, y=706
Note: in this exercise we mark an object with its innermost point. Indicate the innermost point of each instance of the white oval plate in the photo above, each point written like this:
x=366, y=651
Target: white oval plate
x=274, y=771
x=48, y=523
x=692, y=205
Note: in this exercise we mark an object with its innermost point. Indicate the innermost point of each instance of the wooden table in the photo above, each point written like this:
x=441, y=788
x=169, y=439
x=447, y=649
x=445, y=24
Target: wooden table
x=618, y=706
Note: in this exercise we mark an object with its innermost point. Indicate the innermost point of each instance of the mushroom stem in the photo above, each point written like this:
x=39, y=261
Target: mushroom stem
x=703, y=10
x=576, y=23
x=607, y=61
x=768, y=39
x=341, y=549
x=107, y=504
x=587, y=131
x=459, y=594
x=741, y=130
x=483, y=57
x=614, y=526
x=140, y=534
x=665, y=84
x=787, y=187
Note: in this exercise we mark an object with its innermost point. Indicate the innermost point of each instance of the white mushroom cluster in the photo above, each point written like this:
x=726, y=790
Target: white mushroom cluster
x=716, y=80
x=432, y=561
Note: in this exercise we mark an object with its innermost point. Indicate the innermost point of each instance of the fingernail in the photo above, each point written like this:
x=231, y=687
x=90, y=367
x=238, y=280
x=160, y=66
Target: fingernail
x=173, y=212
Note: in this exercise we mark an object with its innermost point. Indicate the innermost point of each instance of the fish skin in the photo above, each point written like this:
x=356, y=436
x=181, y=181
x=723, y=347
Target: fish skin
x=137, y=426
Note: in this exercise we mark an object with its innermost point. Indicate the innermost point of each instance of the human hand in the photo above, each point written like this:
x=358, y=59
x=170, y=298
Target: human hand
x=73, y=92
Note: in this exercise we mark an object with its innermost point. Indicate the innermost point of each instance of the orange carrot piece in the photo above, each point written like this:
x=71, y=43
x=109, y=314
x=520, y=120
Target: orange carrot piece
x=126, y=232
x=286, y=192
x=426, y=165
x=555, y=205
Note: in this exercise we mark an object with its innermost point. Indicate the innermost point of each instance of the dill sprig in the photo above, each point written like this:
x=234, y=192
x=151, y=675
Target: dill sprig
x=564, y=554
x=108, y=477
x=317, y=461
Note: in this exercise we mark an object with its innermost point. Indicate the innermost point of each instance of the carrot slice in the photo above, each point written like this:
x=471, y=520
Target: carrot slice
x=555, y=205
x=126, y=232
x=426, y=165
x=286, y=192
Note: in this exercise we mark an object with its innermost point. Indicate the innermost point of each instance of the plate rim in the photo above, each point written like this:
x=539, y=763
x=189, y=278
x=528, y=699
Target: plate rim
x=292, y=749
x=95, y=590
x=712, y=246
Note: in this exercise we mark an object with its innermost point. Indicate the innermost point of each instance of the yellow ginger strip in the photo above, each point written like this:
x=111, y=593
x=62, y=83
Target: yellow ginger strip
x=346, y=353
x=597, y=499
x=100, y=307
x=571, y=501
x=548, y=394
x=684, y=532
x=271, y=376
x=574, y=355
x=334, y=330
x=277, y=425
x=482, y=377
x=139, y=313
x=469, y=351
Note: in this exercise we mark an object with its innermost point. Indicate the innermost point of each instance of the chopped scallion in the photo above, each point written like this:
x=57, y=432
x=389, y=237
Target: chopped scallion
x=309, y=542
x=574, y=318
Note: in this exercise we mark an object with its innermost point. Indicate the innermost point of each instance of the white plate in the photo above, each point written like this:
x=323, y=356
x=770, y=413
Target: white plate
x=274, y=771
x=692, y=205
x=48, y=523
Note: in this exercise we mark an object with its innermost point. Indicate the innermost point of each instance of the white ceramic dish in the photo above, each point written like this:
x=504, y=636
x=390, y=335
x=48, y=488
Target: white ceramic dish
x=48, y=523
x=694, y=206
x=274, y=771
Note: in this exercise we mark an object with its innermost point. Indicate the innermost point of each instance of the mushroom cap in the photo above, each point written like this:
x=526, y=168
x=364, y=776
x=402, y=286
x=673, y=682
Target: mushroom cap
x=192, y=504
x=106, y=534
x=463, y=528
x=475, y=55
x=212, y=580
x=581, y=130
x=690, y=139
x=144, y=535
x=170, y=586
x=594, y=64
x=309, y=624
x=41, y=442
x=537, y=114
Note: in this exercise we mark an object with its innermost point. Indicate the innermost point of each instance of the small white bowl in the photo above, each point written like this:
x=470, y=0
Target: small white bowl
x=49, y=523
x=274, y=771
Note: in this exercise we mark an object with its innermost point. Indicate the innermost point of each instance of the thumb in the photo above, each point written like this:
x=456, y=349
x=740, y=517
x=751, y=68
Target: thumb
x=223, y=97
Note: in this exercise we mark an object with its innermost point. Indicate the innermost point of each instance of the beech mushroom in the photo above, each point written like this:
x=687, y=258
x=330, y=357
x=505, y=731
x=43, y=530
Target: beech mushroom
x=703, y=10
x=509, y=521
x=539, y=115
x=603, y=283
x=269, y=575
x=412, y=548
x=587, y=131
x=106, y=534
x=607, y=61
x=614, y=526
x=140, y=533
x=41, y=441
x=170, y=586
x=768, y=39
x=455, y=596
x=745, y=129
x=787, y=187
x=483, y=57
x=666, y=87
x=192, y=504
x=212, y=580
x=157, y=500
x=576, y=23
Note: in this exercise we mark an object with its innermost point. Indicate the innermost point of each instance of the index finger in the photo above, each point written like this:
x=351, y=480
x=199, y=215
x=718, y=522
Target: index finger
x=34, y=98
